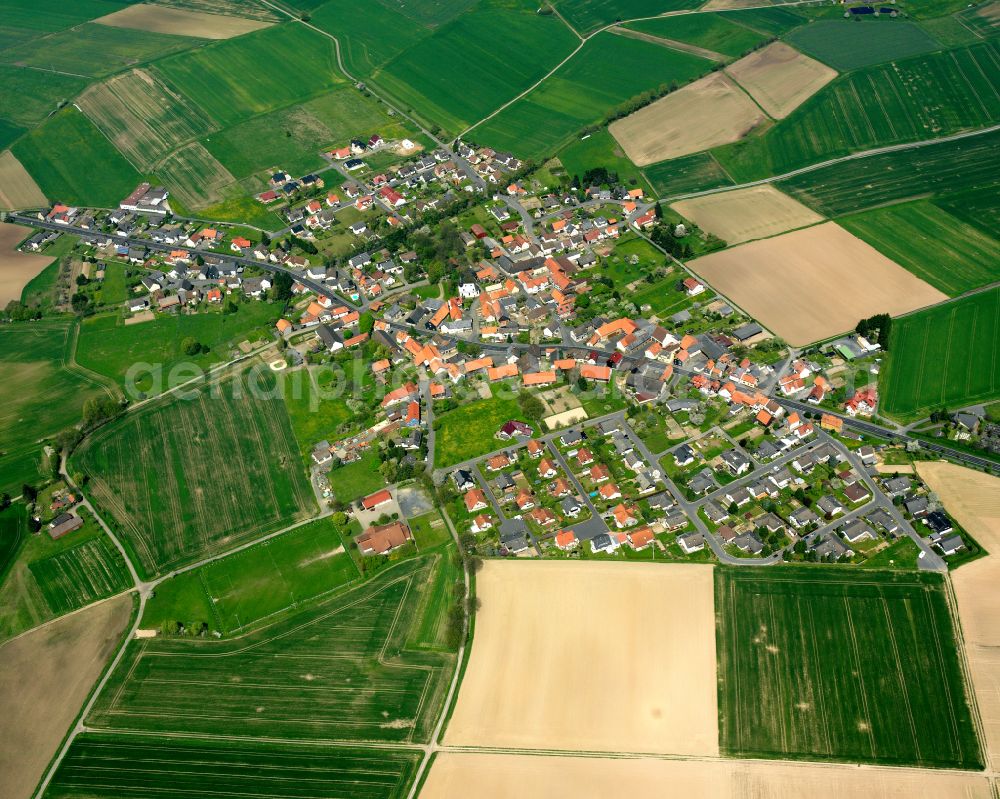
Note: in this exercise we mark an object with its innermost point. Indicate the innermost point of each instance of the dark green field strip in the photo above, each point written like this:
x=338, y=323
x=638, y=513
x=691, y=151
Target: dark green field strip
x=93, y=570
x=944, y=356
x=46, y=16
x=192, y=476
x=841, y=666
x=981, y=209
x=134, y=767
x=969, y=164
x=711, y=31
x=845, y=44
x=770, y=21
x=914, y=100
x=340, y=670
x=937, y=247
x=13, y=529
x=588, y=15
x=697, y=172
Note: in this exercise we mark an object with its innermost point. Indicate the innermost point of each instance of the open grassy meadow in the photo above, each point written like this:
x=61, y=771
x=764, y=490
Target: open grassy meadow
x=600, y=149
x=197, y=180
x=456, y=76
x=351, y=667
x=696, y=172
x=470, y=430
x=956, y=166
x=608, y=71
x=30, y=95
x=946, y=356
x=920, y=98
x=710, y=31
x=936, y=246
x=827, y=664
x=71, y=161
x=979, y=208
x=43, y=395
x=846, y=44
x=111, y=348
x=108, y=766
x=252, y=585
x=588, y=15
x=13, y=531
x=92, y=50
x=195, y=475
x=358, y=479
x=227, y=81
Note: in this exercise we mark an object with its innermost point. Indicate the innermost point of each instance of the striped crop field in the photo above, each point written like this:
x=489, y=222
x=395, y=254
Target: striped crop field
x=189, y=477
x=828, y=665
x=921, y=98
x=945, y=356
x=73, y=578
x=140, y=767
x=350, y=668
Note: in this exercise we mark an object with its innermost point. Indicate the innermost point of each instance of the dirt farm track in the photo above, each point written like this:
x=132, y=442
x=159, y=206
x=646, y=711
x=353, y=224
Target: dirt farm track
x=45, y=676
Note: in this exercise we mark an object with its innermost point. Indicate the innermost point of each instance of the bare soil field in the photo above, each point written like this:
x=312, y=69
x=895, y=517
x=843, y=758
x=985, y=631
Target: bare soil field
x=814, y=283
x=45, y=677
x=476, y=775
x=780, y=78
x=592, y=656
x=973, y=498
x=747, y=214
x=17, y=188
x=16, y=268
x=709, y=112
x=181, y=22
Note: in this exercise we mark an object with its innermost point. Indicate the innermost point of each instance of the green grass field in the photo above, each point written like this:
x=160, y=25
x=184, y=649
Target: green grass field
x=42, y=395
x=315, y=412
x=921, y=98
x=845, y=44
x=30, y=95
x=91, y=50
x=370, y=35
x=352, y=667
x=470, y=430
x=710, y=31
x=346, y=112
x=944, y=356
x=200, y=473
x=358, y=479
x=48, y=16
x=607, y=72
x=236, y=79
x=142, y=767
x=72, y=162
x=945, y=251
x=769, y=21
x=90, y=571
x=588, y=15
x=828, y=664
x=601, y=150
x=111, y=348
x=979, y=208
x=456, y=76
x=240, y=590
x=958, y=166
